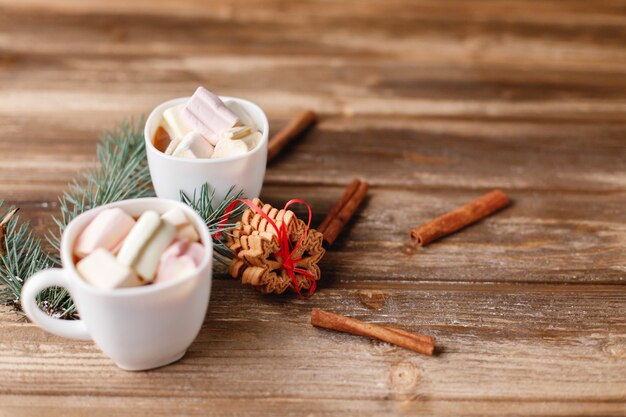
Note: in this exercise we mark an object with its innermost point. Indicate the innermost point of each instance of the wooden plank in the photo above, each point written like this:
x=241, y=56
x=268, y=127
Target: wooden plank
x=427, y=30
x=102, y=406
x=421, y=155
x=553, y=12
x=537, y=345
x=408, y=89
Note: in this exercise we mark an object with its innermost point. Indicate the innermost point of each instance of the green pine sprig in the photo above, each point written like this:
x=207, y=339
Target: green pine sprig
x=22, y=255
x=213, y=213
x=120, y=172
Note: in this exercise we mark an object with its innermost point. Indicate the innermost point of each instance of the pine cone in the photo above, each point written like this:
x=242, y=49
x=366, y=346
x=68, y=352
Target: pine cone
x=257, y=259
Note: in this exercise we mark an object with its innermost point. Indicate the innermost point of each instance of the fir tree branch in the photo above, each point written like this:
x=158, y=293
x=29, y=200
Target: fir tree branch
x=21, y=256
x=203, y=204
x=121, y=172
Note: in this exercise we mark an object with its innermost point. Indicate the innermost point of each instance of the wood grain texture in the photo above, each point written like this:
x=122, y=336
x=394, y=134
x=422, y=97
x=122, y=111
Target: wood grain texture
x=432, y=103
x=500, y=344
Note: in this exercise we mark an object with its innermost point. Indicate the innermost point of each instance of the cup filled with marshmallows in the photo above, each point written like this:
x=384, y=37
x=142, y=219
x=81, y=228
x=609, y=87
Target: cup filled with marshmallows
x=139, y=273
x=205, y=138
x=117, y=250
x=205, y=127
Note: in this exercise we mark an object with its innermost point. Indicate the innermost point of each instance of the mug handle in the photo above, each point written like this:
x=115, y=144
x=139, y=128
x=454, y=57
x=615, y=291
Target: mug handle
x=74, y=329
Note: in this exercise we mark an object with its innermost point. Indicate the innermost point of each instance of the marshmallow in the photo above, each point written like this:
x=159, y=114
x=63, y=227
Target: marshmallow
x=207, y=114
x=102, y=270
x=139, y=235
x=179, y=248
x=144, y=248
x=238, y=132
x=174, y=124
x=229, y=147
x=253, y=140
x=172, y=146
x=106, y=230
x=175, y=267
x=148, y=261
x=184, y=153
x=193, y=145
x=188, y=233
x=180, y=259
x=196, y=251
x=184, y=229
x=244, y=117
x=176, y=217
x=176, y=249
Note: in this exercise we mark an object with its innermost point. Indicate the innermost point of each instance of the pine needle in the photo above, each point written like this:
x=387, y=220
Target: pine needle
x=21, y=256
x=203, y=203
x=121, y=172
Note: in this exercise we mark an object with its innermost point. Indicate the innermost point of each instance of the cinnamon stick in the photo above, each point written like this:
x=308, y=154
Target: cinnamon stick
x=412, y=341
x=295, y=127
x=339, y=221
x=459, y=218
x=348, y=193
x=417, y=336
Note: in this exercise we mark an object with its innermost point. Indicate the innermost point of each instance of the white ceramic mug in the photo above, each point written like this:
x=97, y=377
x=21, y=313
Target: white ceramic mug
x=171, y=174
x=140, y=327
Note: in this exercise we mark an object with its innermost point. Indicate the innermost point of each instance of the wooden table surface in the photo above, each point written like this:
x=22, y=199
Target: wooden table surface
x=432, y=102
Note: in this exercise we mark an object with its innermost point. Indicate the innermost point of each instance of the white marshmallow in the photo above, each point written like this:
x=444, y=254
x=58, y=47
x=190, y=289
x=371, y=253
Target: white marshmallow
x=207, y=114
x=139, y=235
x=172, y=146
x=106, y=230
x=253, y=140
x=147, y=263
x=193, y=145
x=237, y=132
x=102, y=270
x=174, y=124
x=229, y=147
x=184, y=153
x=184, y=229
x=175, y=216
x=243, y=116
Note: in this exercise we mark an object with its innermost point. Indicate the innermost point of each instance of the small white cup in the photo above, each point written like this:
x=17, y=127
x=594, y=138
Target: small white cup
x=140, y=327
x=171, y=174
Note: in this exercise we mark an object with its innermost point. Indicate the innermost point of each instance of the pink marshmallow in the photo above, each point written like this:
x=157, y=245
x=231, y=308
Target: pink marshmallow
x=178, y=248
x=208, y=115
x=174, y=267
x=181, y=258
x=181, y=248
x=196, y=251
x=105, y=231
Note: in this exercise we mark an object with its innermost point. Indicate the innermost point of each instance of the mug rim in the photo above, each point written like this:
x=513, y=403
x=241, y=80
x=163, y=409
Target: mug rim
x=208, y=161
x=73, y=275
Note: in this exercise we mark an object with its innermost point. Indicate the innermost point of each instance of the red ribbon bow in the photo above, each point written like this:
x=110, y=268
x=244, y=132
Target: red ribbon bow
x=285, y=252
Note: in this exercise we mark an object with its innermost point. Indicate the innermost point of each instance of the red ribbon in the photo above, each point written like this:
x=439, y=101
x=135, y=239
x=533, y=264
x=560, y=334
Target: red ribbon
x=285, y=252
